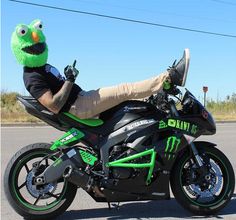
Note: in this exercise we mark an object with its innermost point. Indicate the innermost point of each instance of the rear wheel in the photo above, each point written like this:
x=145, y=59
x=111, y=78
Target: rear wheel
x=31, y=201
x=203, y=194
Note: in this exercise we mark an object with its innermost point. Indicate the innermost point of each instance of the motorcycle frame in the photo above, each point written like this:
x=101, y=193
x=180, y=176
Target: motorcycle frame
x=150, y=165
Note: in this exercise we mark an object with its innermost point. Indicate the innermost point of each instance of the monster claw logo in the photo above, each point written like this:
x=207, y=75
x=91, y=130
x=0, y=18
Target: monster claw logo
x=172, y=146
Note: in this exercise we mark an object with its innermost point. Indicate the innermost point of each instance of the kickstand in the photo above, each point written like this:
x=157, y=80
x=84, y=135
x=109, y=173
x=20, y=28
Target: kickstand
x=109, y=205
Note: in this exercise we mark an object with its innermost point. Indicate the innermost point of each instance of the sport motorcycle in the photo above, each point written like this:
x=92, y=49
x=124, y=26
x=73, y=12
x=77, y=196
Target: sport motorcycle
x=134, y=151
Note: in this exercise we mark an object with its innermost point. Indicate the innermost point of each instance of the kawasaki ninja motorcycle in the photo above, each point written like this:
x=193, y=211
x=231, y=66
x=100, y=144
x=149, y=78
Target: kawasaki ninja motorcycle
x=132, y=152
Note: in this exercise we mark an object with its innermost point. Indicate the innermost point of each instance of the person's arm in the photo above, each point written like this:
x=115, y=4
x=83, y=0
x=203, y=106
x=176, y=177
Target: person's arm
x=55, y=102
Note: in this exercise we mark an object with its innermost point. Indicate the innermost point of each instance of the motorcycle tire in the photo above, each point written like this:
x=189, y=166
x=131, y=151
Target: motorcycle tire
x=25, y=197
x=185, y=194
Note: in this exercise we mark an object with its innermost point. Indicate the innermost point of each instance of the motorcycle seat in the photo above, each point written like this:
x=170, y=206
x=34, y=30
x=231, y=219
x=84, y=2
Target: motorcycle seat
x=62, y=121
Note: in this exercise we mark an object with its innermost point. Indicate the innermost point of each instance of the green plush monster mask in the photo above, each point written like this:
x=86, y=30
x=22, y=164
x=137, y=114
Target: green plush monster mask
x=28, y=44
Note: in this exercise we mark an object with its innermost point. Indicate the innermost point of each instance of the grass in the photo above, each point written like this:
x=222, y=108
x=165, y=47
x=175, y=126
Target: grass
x=13, y=112
x=223, y=110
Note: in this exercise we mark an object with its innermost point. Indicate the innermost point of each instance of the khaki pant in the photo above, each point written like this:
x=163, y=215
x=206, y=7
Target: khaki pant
x=91, y=103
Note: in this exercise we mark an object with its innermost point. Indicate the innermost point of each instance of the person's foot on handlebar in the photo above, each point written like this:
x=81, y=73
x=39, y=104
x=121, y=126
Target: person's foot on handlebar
x=178, y=72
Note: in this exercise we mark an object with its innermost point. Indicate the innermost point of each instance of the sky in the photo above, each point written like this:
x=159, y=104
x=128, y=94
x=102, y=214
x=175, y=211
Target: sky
x=109, y=52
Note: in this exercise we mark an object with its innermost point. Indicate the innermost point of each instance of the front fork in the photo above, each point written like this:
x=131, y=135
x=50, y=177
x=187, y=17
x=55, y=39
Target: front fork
x=202, y=168
x=188, y=138
x=196, y=154
x=194, y=150
x=202, y=162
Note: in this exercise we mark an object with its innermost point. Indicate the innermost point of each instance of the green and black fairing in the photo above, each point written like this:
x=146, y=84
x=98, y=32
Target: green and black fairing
x=132, y=142
x=28, y=44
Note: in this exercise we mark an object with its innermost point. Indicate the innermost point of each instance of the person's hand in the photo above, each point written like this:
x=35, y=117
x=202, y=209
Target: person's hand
x=71, y=72
x=68, y=71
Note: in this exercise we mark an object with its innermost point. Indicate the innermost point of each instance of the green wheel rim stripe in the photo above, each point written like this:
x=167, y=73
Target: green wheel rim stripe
x=211, y=204
x=24, y=202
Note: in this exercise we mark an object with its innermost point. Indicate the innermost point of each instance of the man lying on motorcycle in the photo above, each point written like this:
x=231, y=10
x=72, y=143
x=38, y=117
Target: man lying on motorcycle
x=56, y=93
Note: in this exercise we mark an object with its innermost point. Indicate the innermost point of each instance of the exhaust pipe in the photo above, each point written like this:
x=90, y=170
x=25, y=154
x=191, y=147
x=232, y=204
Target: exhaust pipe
x=66, y=166
x=67, y=171
x=81, y=179
x=62, y=167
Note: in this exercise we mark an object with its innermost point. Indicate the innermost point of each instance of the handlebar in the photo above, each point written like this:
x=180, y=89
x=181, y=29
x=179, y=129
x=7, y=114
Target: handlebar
x=173, y=108
x=163, y=101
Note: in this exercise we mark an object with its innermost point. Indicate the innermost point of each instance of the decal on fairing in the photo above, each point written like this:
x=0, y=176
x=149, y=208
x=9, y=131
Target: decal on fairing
x=162, y=124
x=172, y=146
x=139, y=123
x=69, y=137
x=179, y=124
x=66, y=139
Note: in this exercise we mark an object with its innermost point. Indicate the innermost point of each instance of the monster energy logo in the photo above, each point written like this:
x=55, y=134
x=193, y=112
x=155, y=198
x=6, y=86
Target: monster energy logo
x=172, y=145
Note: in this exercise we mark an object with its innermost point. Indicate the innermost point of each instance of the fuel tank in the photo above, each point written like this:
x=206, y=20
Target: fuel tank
x=125, y=113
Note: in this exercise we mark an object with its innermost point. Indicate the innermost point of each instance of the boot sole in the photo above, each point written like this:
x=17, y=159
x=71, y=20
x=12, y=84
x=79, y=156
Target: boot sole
x=187, y=60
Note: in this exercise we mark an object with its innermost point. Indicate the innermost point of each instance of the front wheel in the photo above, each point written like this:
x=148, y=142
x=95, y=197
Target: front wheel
x=208, y=193
x=31, y=201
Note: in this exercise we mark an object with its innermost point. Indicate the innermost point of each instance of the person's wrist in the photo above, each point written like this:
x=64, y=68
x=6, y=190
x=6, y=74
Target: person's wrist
x=70, y=80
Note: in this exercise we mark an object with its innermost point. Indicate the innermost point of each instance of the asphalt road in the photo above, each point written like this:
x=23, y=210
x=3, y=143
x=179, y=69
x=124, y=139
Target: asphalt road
x=84, y=207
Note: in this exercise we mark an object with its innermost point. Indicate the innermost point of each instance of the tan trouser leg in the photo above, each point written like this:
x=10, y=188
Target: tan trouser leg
x=91, y=103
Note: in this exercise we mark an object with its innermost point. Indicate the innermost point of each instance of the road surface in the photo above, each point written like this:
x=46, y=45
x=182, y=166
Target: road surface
x=84, y=207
